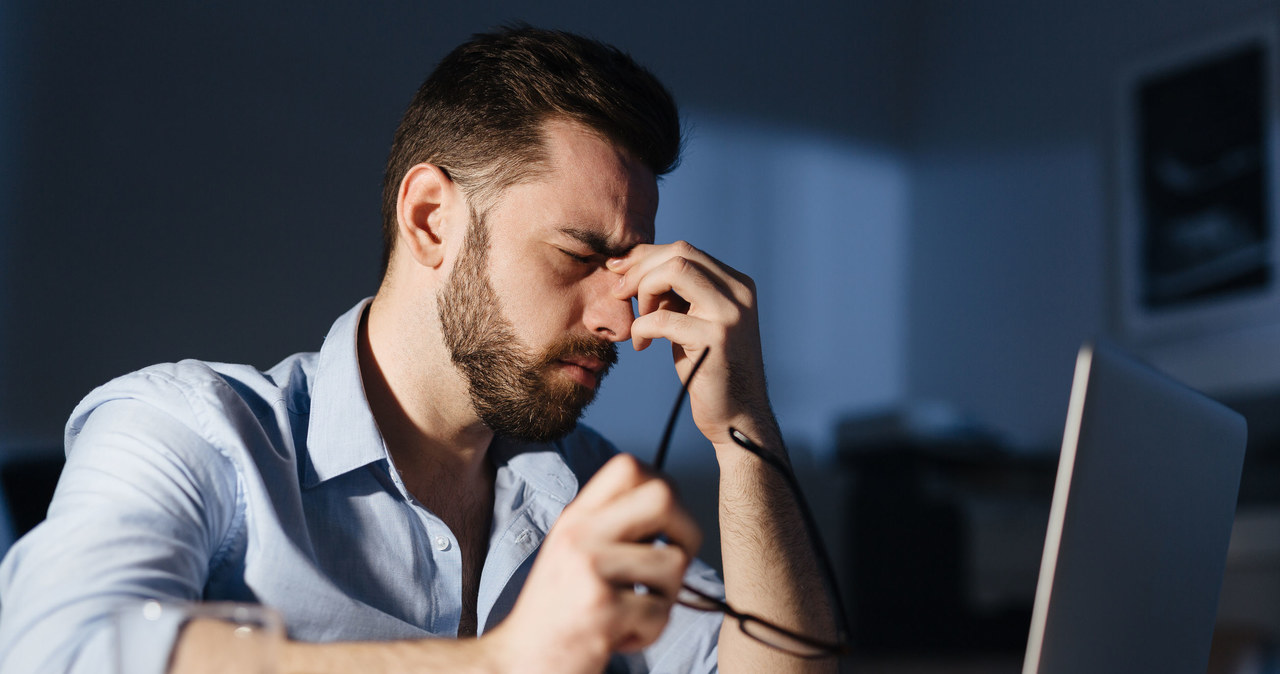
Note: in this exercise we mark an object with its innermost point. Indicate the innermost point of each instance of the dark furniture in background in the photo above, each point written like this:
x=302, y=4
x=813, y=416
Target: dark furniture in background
x=27, y=481
x=912, y=537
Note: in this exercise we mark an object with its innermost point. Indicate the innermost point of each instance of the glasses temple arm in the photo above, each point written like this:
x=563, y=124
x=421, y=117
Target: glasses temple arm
x=660, y=459
x=815, y=540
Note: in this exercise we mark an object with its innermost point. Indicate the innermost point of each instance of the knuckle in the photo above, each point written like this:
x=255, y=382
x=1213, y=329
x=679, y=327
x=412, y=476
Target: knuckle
x=634, y=465
x=679, y=264
x=596, y=564
x=733, y=315
x=567, y=536
x=598, y=598
x=628, y=465
x=645, y=624
x=677, y=561
x=664, y=498
x=742, y=288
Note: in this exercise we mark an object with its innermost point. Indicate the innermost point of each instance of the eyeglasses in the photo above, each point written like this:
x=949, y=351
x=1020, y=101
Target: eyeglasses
x=758, y=628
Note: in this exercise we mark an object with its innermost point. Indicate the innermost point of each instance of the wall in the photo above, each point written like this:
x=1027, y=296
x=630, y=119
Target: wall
x=202, y=181
x=12, y=60
x=1012, y=224
x=921, y=189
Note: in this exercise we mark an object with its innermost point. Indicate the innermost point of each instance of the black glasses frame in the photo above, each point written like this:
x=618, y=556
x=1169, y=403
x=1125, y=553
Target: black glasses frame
x=820, y=648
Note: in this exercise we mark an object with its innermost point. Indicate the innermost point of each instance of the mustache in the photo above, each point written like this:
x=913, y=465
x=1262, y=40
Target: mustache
x=581, y=345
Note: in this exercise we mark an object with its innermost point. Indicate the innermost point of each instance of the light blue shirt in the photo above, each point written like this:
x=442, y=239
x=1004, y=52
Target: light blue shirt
x=200, y=481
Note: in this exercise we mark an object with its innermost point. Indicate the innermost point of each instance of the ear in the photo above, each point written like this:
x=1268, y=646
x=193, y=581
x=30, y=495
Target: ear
x=426, y=195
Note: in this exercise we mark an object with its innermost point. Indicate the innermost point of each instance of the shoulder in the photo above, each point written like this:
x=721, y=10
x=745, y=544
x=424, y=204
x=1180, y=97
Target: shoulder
x=193, y=412
x=169, y=388
x=189, y=433
x=197, y=393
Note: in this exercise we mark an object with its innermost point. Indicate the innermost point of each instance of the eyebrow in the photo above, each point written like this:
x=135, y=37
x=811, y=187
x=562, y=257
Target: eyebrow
x=597, y=242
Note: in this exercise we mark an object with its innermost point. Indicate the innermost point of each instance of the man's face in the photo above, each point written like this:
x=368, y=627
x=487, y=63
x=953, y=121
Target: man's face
x=527, y=312
x=513, y=389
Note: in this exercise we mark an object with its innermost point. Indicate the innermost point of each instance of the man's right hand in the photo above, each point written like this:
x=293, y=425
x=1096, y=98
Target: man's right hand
x=578, y=606
x=580, y=602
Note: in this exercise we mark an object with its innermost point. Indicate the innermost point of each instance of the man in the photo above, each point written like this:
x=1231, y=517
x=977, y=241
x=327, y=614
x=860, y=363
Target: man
x=394, y=488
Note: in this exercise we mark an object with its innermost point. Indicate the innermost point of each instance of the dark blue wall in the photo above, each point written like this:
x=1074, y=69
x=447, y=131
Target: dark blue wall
x=193, y=180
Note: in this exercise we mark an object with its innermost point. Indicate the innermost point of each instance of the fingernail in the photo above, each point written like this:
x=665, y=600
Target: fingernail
x=613, y=262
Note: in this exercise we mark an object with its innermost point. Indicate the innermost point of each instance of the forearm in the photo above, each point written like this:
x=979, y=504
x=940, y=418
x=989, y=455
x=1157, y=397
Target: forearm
x=708, y=312
x=210, y=647
x=769, y=567
x=432, y=655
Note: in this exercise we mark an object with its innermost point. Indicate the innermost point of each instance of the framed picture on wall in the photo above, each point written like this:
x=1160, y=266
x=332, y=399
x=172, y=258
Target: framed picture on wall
x=1198, y=240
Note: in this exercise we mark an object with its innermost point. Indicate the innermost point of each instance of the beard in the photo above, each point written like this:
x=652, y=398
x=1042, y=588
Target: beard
x=513, y=391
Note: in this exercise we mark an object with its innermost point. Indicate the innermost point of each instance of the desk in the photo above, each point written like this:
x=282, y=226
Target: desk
x=998, y=665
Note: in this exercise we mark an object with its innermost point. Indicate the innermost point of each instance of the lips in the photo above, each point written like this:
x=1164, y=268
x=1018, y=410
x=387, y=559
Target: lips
x=585, y=359
x=593, y=365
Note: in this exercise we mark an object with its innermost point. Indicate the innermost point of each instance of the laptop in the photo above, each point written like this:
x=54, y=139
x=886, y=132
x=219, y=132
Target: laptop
x=1139, y=525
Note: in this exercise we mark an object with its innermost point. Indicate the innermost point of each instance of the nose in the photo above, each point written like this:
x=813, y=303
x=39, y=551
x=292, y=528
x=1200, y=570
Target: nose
x=607, y=316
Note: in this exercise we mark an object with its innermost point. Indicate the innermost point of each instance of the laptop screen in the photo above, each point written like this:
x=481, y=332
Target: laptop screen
x=1139, y=525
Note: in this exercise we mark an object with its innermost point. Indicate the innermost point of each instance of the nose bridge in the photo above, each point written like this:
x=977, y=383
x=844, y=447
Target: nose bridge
x=606, y=315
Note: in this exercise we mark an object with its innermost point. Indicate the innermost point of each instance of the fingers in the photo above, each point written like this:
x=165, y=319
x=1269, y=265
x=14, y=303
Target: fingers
x=618, y=474
x=649, y=511
x=691, y=333
x=625, y=529
x=689, y=280
x=682, y=281
x=626, y=502
x=645, y=258
x=640, y=619
x=655, y=566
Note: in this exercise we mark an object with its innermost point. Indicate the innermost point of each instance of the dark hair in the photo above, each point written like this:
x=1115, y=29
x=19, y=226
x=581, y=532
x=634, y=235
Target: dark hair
x=479, y=115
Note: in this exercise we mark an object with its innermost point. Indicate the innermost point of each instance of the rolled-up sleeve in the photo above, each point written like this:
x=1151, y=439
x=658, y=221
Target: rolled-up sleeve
x=141, y=511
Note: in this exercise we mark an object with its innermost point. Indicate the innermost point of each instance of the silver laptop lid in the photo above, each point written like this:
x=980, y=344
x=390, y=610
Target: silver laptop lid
x=1139, y=526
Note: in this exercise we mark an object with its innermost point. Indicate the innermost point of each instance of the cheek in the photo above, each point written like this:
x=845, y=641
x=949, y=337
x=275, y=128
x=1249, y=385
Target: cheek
x=540, y=307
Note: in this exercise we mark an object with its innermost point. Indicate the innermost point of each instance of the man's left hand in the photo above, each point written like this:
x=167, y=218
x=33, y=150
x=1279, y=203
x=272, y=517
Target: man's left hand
x=698, y=302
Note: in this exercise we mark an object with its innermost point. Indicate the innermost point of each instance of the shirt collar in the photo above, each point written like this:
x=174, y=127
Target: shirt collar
x=541, y=466
x=341, y=433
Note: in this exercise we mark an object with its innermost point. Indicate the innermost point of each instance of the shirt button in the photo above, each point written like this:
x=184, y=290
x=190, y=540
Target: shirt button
x=442, y=543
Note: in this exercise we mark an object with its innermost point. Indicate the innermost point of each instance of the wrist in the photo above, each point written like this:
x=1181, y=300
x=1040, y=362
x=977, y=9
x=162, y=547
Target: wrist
x=513, y=648
x=761, y=434
x=493, y=652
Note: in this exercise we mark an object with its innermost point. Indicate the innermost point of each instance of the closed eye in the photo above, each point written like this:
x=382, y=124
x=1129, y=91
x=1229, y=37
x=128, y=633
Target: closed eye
x=580, y=259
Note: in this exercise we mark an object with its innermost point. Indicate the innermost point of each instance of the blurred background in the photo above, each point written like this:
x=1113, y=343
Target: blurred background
x=934, y=198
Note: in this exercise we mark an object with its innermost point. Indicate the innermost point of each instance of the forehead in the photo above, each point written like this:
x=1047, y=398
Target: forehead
x=590, y=185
